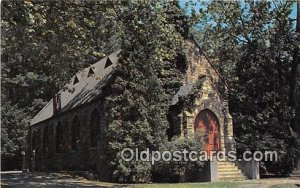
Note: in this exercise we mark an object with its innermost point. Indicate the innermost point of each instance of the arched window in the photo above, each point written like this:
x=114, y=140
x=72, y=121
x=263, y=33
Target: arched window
x=59, y=137
x=94, y=128
x=34, y=141
x=35, y=152
x=75, y=132
x=46, y=139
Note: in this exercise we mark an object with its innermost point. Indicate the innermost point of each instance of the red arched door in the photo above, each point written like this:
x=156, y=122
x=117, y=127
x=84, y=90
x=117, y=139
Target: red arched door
x=207, y=123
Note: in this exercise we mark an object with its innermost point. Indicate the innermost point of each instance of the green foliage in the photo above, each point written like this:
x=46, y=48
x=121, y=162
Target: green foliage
x=14, y=124
x=252, y=41
x=173, y=170
x=43, y=44
x=189, y=99
x=146, y=78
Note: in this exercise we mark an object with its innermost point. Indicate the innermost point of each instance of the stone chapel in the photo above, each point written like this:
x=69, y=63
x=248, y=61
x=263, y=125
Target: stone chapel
x=67, y=133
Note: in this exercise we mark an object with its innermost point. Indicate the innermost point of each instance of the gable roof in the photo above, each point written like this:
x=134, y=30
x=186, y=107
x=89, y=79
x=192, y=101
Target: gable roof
x=84, y=87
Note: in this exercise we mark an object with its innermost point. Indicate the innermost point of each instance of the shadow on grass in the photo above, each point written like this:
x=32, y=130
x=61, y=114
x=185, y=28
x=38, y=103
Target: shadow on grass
x=285, y=186
x=49, y=180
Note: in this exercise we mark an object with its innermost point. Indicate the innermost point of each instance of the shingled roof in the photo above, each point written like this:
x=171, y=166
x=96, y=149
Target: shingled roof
x=84, y=87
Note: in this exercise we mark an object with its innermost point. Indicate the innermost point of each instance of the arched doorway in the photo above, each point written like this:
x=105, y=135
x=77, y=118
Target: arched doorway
x=207, y=123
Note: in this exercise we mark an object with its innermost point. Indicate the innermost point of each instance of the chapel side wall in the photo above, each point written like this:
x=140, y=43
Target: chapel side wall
x=83, y=158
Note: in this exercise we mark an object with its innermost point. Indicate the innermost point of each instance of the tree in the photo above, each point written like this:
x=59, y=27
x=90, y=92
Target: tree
x=43, y=44
x=14, y=124
x=146, y=77
x=251, y=41
x=294, y=80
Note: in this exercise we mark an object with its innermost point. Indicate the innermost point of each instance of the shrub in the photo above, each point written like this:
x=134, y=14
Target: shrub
x=177, y=171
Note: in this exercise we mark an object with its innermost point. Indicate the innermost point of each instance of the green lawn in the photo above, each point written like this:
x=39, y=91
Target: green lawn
x=194, y=185
x=284, y=186
x=212, y=185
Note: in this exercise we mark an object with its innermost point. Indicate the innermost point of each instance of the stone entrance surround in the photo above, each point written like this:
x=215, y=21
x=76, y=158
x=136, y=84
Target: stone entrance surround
x=209, y=99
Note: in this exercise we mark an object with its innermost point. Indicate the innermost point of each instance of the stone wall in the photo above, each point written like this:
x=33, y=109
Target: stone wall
x=209, y=96
x=84, y=157
x=199, y=65
x=210, y=99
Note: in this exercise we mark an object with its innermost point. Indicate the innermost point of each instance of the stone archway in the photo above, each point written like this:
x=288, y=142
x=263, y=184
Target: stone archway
x=206, y=122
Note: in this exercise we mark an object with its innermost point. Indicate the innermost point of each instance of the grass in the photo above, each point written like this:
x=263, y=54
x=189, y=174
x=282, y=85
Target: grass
x=262, y=183
x=284, y=186
x=193, y=185
x=250, y=184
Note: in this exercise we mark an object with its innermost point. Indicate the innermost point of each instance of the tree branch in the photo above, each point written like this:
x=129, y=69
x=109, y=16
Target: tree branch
x=234, y=26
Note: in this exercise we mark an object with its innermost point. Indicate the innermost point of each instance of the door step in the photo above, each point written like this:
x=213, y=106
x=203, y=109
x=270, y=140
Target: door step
x=228, y=171
x=296, y=174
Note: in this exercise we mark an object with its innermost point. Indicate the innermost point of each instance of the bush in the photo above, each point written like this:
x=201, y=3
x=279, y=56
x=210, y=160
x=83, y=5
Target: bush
x=177, y=171
x=14, y=125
